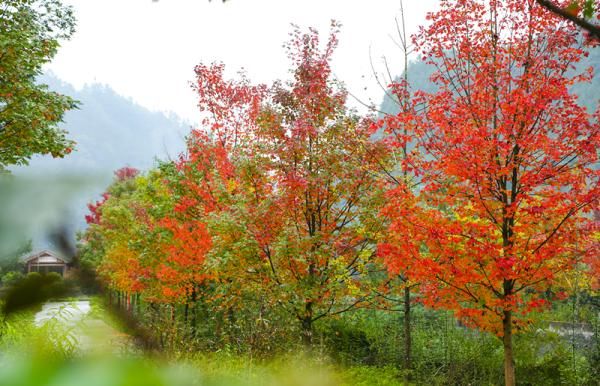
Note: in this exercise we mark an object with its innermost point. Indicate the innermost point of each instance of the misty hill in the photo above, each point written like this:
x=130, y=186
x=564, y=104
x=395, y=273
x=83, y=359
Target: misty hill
x=418, y=77
x=111, y=131
x=420, y=72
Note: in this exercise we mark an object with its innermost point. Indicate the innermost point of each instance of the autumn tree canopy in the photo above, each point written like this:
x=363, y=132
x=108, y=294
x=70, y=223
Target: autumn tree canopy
x=506, y=162
x=276, y=196
x=291, y=202
x=480, y=194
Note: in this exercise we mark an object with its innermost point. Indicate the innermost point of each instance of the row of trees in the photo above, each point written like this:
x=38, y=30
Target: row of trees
x=277, y=195
x=481, y=195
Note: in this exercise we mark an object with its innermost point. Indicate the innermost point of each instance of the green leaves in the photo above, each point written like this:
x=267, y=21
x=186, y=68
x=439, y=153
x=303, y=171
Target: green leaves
x=30, y=31
x=589, y=8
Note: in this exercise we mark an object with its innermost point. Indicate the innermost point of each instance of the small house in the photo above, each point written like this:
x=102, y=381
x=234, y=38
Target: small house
x=46, y=262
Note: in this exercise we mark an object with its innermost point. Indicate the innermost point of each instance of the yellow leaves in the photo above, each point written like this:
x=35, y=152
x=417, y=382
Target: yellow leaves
x=49, y=116
x=467, y=216
x=141, y=181
x=353, y=289
x=361, y=231
x=232, y=186
x=573, y=281
x=363, y=256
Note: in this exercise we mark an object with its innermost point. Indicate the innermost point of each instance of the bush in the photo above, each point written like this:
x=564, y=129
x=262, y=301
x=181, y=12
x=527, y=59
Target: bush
x=11, y=277
x=348, y=343
x=33, y=289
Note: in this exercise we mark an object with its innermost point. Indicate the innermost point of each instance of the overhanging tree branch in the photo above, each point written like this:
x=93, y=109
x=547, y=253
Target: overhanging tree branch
x=593, y=29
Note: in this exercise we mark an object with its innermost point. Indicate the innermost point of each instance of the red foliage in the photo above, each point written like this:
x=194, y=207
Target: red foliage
x=289, y=166
x=505, y=159
x=121, y=175
x=95, y=212
x=205, y=172
x=126, y=173
x=184, y=253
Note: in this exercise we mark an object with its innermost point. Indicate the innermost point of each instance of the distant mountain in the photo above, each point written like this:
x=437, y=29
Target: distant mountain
x=589, y=93
x=418, y=77
x=419, y=74
x=111, y=131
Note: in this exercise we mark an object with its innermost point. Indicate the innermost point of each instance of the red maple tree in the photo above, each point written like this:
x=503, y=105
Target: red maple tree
x=282, y=175
x=505, y=160
x=204, y=175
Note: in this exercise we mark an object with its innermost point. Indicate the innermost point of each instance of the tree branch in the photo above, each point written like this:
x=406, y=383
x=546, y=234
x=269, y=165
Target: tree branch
x=593, y=29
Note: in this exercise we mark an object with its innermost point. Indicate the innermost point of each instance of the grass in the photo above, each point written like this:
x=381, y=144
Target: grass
x=18, y=327
x=298, y=370
x=33, y=359
x=207, y=370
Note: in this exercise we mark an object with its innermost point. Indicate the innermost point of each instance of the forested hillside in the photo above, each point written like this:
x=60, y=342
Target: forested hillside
x=110, y=132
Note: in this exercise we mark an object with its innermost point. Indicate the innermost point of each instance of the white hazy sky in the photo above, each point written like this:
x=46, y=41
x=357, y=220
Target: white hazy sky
x=147, y=50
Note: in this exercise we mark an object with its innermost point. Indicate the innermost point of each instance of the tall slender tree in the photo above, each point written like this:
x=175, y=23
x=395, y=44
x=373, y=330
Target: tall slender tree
x=292, y=185
x=506, y=161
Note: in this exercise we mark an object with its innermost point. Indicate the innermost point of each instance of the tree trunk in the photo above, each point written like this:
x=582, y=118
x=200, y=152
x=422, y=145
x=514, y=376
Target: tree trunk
x=307, y=332
x=509, y=363
x=194, y=313
x=407, y=335
x=307, y=325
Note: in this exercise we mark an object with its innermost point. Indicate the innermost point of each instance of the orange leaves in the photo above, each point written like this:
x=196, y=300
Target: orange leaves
x=183, y=252
x=502, y=156
x=573, y=8
x=189, y=244
x=280, y=176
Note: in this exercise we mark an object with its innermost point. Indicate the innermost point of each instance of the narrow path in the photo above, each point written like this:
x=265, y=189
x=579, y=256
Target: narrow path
x=67, y=312
x=87, y=331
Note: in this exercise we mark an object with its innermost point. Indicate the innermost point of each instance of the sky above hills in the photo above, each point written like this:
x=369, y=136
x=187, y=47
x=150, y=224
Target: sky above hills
x=147, y=49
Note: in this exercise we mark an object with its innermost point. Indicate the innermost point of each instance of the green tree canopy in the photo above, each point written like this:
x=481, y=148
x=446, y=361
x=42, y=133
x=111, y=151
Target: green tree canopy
x=30, y=31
